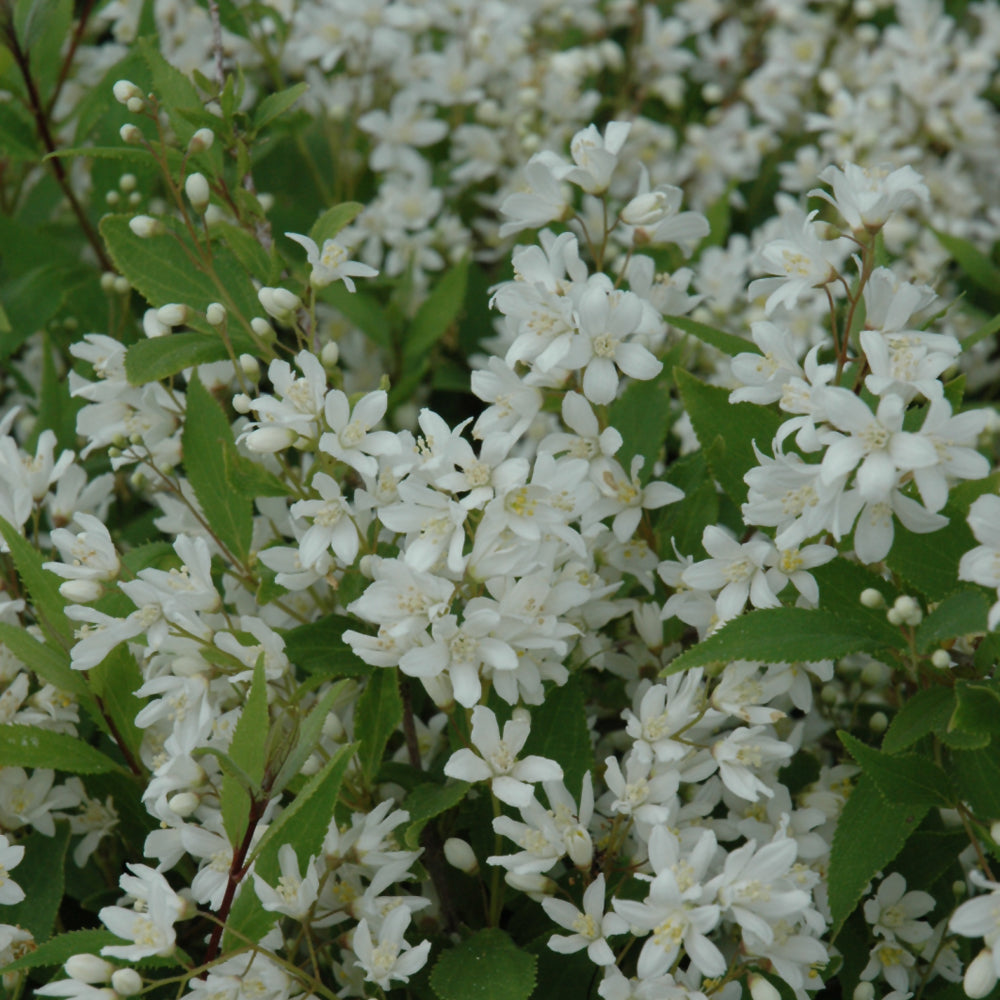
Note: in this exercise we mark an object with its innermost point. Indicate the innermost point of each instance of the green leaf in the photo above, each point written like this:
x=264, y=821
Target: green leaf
x=204, y=440
x=379, y=711
x=29, y=746
x=160, y=357
x=868, y=837
x=486, y=966
x=908, y=780
x=988, y=328
x=840, y=586
x=249, y=479
x=41, y=874
x=275, y=105
x=782, y=635
x=559, y=731
x=973, y=262
x=642, y=415
x=427, y=801
x=57, y=410
x=18, y=138
x=959, y=614
x=114, y=682
x=976, y=774
x=42, y=586
x=304, y=825
x=438, y=313
x=921, y=714
x=727, y=431
x=247, y=752
x=929, y=563
x=977, y=710
x=30, y=300
x=56, y=950
x=362, y=311
x=728, y=343
x=33, y=18
x=332, y=221
x=246, y=249
x=172, y=89
x=51, y=664
x=318, y=648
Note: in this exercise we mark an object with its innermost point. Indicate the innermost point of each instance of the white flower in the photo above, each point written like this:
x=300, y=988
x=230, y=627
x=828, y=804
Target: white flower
x=331, y=262
x=10, y=857
x=982, y=564
x=543, y=200
x=867, y=196
x=331, y=528
x=591, y=926
x=351, y=439
x=149, y=923
x=391, y=957
x=294, y=894
x=891, y=913
x=497, y=761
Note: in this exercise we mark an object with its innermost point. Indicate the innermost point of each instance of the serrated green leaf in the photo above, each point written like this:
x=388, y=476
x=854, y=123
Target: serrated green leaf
x=726, y=431
x=976, y=774
x=114, y=682
x=318, y=648
x=486, y=966
x=30, y=300
x=840, y=587
x=868, y=837
x=41, y=874
x=29, y=746
x=246, y=249
x=907, y=780
x=18, y=138
x=728, y=343
x=559, y=731
x=438, y=313
x=204, y=440
x=56, y=950
x=57, y=410
x=247, y=752
x=174, y=91
x=362, y=311
x=920, y=715
x=427, y=801
x=51, y=664
x=310, y=730
x=304, y=825
x=781, y=635
x=959, y=614
x=42, y=586
x=977, y=710
x=987, y=329
x=376, y=716
x=973, y=262
x=642, y=415
x=160, y=357
x=275, y=105
x=333, y=220
x=249, y=479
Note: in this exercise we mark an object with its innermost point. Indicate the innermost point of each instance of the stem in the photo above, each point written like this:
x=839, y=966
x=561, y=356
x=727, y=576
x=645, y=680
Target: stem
x=23, y=62
x=133, y=765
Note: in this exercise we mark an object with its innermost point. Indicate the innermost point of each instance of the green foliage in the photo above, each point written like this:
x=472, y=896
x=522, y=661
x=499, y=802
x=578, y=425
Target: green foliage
x=439, y=312
x=908, y=780
x=559, y=731
x=642, y=415
x=247, y=753
x=426, y=802
x=29, y=746
x=961, y=613
x=719, y=339
x=318, y=648
x=41, y=874
x=333, y=220
x=921, y=714
x=56, y=950
x=378, y=713
x=486, y=966
x=160, y=357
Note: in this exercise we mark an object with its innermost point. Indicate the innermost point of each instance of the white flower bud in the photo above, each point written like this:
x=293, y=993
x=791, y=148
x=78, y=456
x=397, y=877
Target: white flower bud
x=459, y=854
x=122, y=285
x=152, y=326
x=201, y=140
x=125, y=90
x=908, y=609
x=242, y=403
x=645, y=209
x=330, y=355
x=108, y=281
x=198, y=192
x=187, y=666
x=980, y=975
x=534, y=884
x=879, y=722
x=88, y=969
x=172, y=314
x=268, y=440
x=130, y=133
x=250, y=366
x=127, y=182
x=126, y=982
x=871, y=598
x=183, y=804
x=145, y=225
x=864, y=991
x=579, y=846
x=81, y=591
x=440, y=691
x=875, y=674
x=894, y=617
x=262, y=328
x=135, y=105
x=995, y=831
x=278, y=302
x=941, y=659
x=311, y=765
x=761, y=988
x=216, y=313
x=112, y=198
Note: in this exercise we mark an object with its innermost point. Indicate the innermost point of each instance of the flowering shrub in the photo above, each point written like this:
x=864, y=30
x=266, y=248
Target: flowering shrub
x=499, y=499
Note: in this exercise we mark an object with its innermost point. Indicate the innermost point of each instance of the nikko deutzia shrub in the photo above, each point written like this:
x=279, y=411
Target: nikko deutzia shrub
x=499, y=500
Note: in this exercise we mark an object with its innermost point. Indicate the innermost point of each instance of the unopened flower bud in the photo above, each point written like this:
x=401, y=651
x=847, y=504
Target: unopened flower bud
x=135, y=105
x=864, y=991
x=980, y=975
x=125, y=90
x=216, y=313
x=122, y=285
x=262, y=328
x=908, y=609
x=81, y=591
x=941, y=659
x=330, y=355
x=875, y=674
x=995, y=831
x=872, y=598
x=894, y=617
x=108, y=281
x=242, y=403
x=172, y=314
x=250, y=366
x=534, y=884
x=198, y=192
x=278, y=302
x=145, y=226
x=152, y=325
x=268, y=440
x=127, y=182
x=878, y=723
x=459, y=854
x=579, y=846
x=126, y=982
x=88, y=969
x=130, y=133
x=183, y=804
x=761, y=988
x=112, y=198
x=201, y=140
